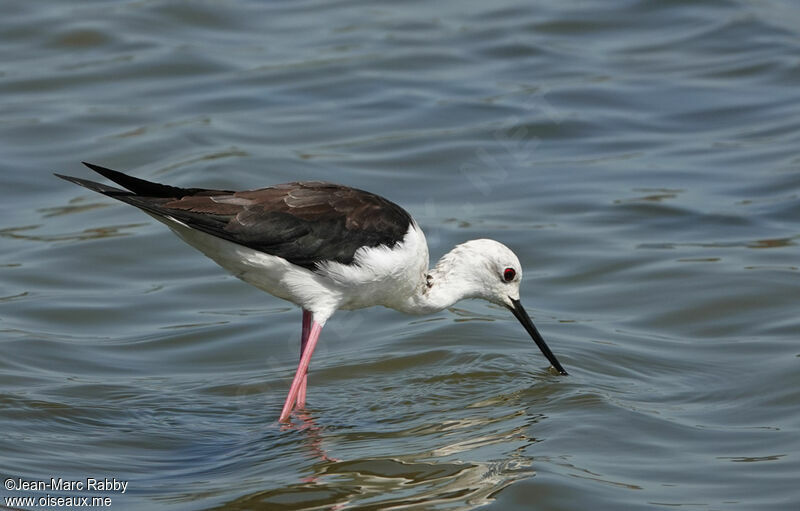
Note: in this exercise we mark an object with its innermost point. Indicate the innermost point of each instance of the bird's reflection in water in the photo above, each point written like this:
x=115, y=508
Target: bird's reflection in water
x=306, y=424
x=373, y=483
x=438, y=475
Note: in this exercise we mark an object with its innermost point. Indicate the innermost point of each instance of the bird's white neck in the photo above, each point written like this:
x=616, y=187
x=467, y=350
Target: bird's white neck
x=446, y=283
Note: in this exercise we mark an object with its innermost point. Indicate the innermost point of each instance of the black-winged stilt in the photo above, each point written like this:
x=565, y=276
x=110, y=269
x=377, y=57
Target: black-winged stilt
x=325, y=247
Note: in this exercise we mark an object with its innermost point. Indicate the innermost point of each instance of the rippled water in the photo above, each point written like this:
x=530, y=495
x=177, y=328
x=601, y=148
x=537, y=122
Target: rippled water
x=640, y=157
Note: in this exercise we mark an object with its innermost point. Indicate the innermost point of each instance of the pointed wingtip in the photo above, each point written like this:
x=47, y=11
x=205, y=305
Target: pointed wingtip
x=136, y=185
x=106, y=172
x=71, y=179
x=91, y=185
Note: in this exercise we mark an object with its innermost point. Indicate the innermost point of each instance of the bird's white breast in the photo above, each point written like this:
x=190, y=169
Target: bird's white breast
x=382, y=275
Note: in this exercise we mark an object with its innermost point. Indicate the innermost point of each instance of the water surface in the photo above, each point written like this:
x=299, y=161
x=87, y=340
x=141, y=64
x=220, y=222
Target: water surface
x=640, y=158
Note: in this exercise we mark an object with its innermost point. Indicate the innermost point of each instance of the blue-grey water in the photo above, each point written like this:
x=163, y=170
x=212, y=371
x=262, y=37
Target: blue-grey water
x=642, y=158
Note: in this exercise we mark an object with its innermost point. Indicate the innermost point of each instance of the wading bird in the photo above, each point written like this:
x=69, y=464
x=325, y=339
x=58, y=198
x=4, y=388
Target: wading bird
x=325, y=247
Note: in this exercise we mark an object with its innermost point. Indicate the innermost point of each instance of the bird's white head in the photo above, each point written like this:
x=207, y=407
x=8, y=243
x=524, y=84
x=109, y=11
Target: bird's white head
x=489, y=270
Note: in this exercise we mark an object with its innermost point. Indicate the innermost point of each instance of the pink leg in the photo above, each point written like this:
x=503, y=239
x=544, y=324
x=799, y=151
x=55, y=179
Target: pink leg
x=313, y=337
x=301, y=393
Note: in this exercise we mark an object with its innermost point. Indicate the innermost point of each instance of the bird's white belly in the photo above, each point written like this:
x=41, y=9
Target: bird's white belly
x=256, y=268
x=379, y=276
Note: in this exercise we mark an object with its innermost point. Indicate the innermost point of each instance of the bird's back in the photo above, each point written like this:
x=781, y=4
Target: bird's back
x=304, y=223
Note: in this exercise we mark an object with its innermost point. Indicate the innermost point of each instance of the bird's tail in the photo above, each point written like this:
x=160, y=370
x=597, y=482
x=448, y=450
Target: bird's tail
x=135, y=185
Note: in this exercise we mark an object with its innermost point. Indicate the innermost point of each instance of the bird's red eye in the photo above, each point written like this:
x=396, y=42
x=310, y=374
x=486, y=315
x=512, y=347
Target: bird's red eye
x=509, y=274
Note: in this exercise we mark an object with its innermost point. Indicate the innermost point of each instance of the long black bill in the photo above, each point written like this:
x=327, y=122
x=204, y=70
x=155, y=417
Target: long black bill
x=522, y=316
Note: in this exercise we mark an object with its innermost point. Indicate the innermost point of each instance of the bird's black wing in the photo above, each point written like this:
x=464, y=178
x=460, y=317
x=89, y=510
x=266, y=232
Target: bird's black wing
x=304, y=223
